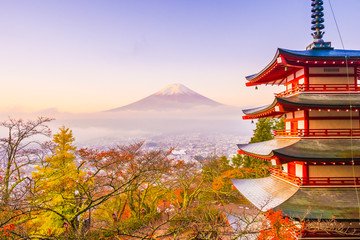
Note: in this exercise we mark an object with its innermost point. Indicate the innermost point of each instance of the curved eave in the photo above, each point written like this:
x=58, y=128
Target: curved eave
x=321, y=150
x=258, y=156
x=304, y=100
x=273, y=62
x=309, y=203
x=323, y=204
x=264, y=150
x=332, y=54
x=304, y=149
x=263, y=111
x=265, y=193
x=273, y=73
x=332, y=101
x=275, y=70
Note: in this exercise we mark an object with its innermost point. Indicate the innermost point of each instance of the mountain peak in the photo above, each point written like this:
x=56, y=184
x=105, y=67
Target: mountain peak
x=173, y=96
x=175, y=89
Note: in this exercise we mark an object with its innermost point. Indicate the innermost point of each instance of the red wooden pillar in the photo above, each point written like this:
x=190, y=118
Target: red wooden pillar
x=306, y=122
x=291, y=168
x=306, y=78
x=305, y=173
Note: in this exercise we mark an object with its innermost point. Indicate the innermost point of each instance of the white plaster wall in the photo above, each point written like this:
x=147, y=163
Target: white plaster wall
x=287, y=125
x=285, y=167
x=321, y=70
x=333, y=124
x=299, y=114
x=301, y=124
x=300, y=72
x=334, y=171
x=299, y=170
x=290, y=77
x=273, y=162
x=332, y=113
x=332, y=80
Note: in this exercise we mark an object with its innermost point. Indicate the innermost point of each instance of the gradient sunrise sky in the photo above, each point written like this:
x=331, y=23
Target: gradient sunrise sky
x=88, y=56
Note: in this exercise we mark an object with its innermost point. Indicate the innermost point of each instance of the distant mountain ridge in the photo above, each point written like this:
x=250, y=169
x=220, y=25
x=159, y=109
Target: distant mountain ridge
x=173, y=96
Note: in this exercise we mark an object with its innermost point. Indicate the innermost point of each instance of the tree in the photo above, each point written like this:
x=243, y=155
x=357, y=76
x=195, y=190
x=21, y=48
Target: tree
x=19, y=151
x=262, y=132
x=55, y=187
x=264, y=127
x=72, y=183
x=278, y=227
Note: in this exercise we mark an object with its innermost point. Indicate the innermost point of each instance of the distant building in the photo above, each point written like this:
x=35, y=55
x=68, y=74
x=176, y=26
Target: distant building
x=316, y=159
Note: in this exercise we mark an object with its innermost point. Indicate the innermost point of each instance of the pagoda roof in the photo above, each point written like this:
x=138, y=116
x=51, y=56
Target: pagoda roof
x=311, y=203
x=303, y=149
x=265, y=149
x=322, y=204
x=286, y=61
x=258, y=110
x=306, y=100
x=322, y=100
x=322, y=53
x=262, y=193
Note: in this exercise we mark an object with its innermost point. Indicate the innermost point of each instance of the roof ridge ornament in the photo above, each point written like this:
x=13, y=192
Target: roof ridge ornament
x=317, y=21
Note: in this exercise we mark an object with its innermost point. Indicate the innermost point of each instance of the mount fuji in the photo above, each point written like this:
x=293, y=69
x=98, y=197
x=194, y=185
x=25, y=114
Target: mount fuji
x=172, y=97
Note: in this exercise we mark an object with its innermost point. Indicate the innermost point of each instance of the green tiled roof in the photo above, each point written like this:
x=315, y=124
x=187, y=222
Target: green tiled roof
x=322, y=100
x=306, y=149
x=324, y=204
x=311, y=101
x=265, y=193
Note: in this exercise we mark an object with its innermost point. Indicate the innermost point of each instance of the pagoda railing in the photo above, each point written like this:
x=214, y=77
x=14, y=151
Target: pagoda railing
x=285, y=176
x=319, y=88
x=315, y=181
x=296, y=89
x=318, y=133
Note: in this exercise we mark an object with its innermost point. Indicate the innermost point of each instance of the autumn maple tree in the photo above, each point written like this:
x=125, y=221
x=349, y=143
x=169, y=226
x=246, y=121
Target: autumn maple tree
x=278, y=227
x=121, y=192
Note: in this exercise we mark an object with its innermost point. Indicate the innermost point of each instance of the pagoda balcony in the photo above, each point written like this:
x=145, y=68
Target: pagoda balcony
x=317, y=133
x=336, y=88
x=315, y=181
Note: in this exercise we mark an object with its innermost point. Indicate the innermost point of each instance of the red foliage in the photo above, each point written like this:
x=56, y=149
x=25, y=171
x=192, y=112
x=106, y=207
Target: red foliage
x=278, y=227
x=7, y=229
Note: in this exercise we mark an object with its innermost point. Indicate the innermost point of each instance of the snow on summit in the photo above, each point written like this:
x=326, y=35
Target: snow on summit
x=175, y=89
x=173, y=96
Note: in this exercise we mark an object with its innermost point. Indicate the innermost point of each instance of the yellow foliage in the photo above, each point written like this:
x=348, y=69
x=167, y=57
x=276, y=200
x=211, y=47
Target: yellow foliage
x=56, y=184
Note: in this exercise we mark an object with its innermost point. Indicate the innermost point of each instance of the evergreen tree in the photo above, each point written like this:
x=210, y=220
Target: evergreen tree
x=264, y=127
x=55, y=187
x=262, y=132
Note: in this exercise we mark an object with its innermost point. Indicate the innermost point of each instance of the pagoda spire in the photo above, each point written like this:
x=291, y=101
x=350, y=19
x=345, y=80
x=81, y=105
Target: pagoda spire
x=317, y=26
x=317, y=20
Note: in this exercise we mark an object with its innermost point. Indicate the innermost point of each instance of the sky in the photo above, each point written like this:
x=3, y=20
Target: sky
x=83, y=56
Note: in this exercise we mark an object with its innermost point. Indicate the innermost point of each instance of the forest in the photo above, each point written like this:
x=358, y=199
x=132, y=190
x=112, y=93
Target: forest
x=50, y=189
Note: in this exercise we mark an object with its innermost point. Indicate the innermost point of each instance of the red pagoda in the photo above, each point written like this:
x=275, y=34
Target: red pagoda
x=316, y=159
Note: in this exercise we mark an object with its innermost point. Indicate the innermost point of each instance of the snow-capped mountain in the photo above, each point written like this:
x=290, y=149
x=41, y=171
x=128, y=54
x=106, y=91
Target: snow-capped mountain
x=175, y=89
x=174, y=96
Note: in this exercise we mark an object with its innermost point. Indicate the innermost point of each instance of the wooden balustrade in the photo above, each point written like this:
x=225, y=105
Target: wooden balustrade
x=318, y=133
x=330, y=181
x=285, y=176
x=319, y=88
x=315, y=181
